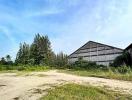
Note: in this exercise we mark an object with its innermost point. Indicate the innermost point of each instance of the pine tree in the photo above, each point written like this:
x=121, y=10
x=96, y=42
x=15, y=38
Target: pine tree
x=40, y=51
x=23, y=54
x=19, y=55
x=34, y=51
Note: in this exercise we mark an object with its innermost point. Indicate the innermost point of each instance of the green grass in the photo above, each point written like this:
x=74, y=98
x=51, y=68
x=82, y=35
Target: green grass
x=80, y=92
x=101, y=74
x=8, y=68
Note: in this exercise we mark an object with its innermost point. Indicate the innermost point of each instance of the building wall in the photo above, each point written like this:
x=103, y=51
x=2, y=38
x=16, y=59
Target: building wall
x=99, y=53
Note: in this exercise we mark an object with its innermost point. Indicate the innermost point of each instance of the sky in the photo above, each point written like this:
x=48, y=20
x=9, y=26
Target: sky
x=68, y=23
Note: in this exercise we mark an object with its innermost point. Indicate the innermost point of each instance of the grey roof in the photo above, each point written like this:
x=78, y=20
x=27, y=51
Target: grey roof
x=96, y=43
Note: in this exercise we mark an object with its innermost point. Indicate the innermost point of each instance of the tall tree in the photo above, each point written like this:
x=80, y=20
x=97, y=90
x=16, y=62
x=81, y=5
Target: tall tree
x=34, y=50
x=47, y=49
x=40, y=51
x=23, y=54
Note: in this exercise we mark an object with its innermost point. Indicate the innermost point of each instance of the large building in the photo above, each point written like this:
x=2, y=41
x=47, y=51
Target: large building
x=96, y=52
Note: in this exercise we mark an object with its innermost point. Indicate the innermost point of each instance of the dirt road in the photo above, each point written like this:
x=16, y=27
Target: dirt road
x=32, y=86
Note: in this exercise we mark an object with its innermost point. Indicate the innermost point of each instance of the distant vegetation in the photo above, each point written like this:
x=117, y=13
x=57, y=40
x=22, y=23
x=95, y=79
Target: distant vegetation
x=120, y=73
x=85, y=68
x=39, y=53
x=40, y=56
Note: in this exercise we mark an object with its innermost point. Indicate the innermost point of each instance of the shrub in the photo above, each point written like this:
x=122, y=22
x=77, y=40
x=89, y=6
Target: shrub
x=21, y=68
x=123, y=69
x=85, y=65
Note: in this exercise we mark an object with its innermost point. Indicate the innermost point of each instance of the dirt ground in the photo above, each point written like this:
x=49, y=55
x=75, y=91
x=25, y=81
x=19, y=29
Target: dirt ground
x=31, y=86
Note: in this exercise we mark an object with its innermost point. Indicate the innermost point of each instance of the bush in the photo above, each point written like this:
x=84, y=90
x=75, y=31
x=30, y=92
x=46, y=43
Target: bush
x=21, y=68
x=2, y=68
x=84, y=65
x=123, y=69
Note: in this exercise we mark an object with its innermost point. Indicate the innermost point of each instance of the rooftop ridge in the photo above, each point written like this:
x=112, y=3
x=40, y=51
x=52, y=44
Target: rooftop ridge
x=96, y=43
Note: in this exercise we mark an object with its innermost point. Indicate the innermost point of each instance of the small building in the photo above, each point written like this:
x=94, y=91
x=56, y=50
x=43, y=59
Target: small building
x=129, y=49
x=100, y=53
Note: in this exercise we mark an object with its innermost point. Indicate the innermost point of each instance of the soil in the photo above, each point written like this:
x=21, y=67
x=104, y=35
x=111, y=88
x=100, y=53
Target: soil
x=34, y=85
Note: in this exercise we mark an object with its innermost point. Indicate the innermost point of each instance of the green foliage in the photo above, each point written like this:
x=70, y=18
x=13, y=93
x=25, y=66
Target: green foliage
x=6, y=60
x=3, y=61
x=80, y=92
x=39, y=53
x=23, y=54
x=82, y=64
x=112, y=72
x=124, y=59
x=24, y=68
x=60, y=60
x=123, y=69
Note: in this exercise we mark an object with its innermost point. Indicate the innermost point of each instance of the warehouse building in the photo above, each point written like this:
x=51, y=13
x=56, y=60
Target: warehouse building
x=100, y=53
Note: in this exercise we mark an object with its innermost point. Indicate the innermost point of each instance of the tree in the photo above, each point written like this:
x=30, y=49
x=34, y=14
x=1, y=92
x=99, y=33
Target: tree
x=40, y=51
x=8, y=60
x=23, y=54
x=19, y=55
x=47, y=50
x=35, y=50
x=3, y=61
x=61, y=60
x=124, y=59
x=127, y=58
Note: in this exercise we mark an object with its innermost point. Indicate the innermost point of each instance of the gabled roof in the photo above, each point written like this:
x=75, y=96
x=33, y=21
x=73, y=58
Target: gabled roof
x=130, y=46
x=96, y=43
x=106, y=45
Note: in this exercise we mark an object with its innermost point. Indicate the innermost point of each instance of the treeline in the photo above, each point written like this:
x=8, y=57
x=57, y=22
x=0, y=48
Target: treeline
x=6, y=60
x=38, y=53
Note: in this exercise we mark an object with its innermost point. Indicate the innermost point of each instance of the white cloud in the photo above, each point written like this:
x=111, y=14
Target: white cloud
x=43, y=12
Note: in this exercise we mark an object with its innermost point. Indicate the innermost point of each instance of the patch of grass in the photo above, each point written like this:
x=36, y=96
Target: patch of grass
x=80, y=92
x=7, y=68
x=29, y=73
x=8, y=71
x=101, y=74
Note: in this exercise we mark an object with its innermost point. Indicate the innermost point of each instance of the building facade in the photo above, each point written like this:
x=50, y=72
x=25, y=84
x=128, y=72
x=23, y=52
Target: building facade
x=100, y=53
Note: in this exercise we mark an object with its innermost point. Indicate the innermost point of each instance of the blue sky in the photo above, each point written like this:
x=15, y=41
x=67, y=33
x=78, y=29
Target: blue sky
x=68, y=23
